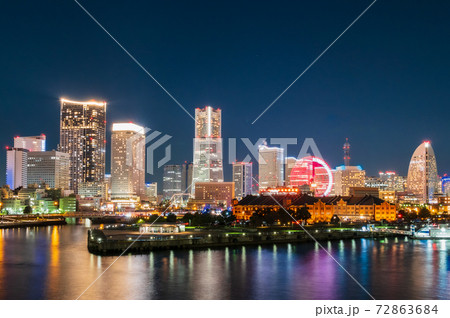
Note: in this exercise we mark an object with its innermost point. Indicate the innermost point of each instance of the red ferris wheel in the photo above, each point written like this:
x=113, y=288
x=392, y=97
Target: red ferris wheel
x=314, y=172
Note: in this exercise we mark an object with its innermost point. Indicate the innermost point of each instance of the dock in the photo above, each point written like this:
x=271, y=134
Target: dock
x=113, y=242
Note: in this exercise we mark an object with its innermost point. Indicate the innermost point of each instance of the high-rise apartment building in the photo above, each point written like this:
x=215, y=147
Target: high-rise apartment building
x=271, y=167
x=50, y=168
x=31, y=143
x=422, y=173
x=243, y=179
x=127, y=161
x=16, y=167
x=207, y=164
x=83, y=137
x=346, y=177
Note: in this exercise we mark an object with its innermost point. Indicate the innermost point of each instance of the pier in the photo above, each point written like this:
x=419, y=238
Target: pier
x=115, y=242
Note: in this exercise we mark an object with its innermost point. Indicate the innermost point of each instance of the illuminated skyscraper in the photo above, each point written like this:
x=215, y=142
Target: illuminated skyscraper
x=49, y=167
x=127, y=161
x=83, y=136
x=207, y=165
x=422, y=173
x=32, y=143
x=271, y=167
x=242, y=178
x=16, y=167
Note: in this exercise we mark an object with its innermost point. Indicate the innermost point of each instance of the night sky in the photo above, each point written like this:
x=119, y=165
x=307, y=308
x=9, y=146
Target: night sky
x=384, y=84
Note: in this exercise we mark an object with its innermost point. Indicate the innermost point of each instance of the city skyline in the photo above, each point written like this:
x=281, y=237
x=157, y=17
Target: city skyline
x=31, y=140
x=338, y=84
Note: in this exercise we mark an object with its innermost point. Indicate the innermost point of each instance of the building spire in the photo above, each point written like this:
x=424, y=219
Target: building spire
x=346, y=149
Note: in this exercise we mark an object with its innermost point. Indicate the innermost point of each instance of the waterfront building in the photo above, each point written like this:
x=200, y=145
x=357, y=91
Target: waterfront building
x=83, y=137
x=161, y=228
x=51, y=168
x=207, y=164
x=322, y=209
x=215, y=193
x=346, y=177
x=289, y=163
x=271, y=167
x=422, y=173
x=12, y=206
x=68, y=204
x=31, y=143
x=242, y=178
x=16, y=167
x=46, y=205
x=127, y=162
x=93, y=190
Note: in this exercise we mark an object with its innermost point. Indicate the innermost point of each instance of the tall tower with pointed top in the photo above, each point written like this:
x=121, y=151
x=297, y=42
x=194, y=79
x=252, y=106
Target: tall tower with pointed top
x=346, y=149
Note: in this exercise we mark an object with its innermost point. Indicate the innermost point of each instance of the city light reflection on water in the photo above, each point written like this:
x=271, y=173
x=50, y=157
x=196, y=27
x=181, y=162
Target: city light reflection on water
x=53, y=263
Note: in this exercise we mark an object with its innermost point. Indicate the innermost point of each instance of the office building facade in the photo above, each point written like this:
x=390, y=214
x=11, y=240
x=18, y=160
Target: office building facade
x=16, y=167
x=242, y=178
x=51, y=168
x=271, y=167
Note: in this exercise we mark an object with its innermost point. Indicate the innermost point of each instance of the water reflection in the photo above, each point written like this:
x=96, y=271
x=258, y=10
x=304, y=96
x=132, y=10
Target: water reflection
x=53, y=263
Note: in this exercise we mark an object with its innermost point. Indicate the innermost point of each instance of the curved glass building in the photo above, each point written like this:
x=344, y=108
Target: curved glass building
x=422, y=173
